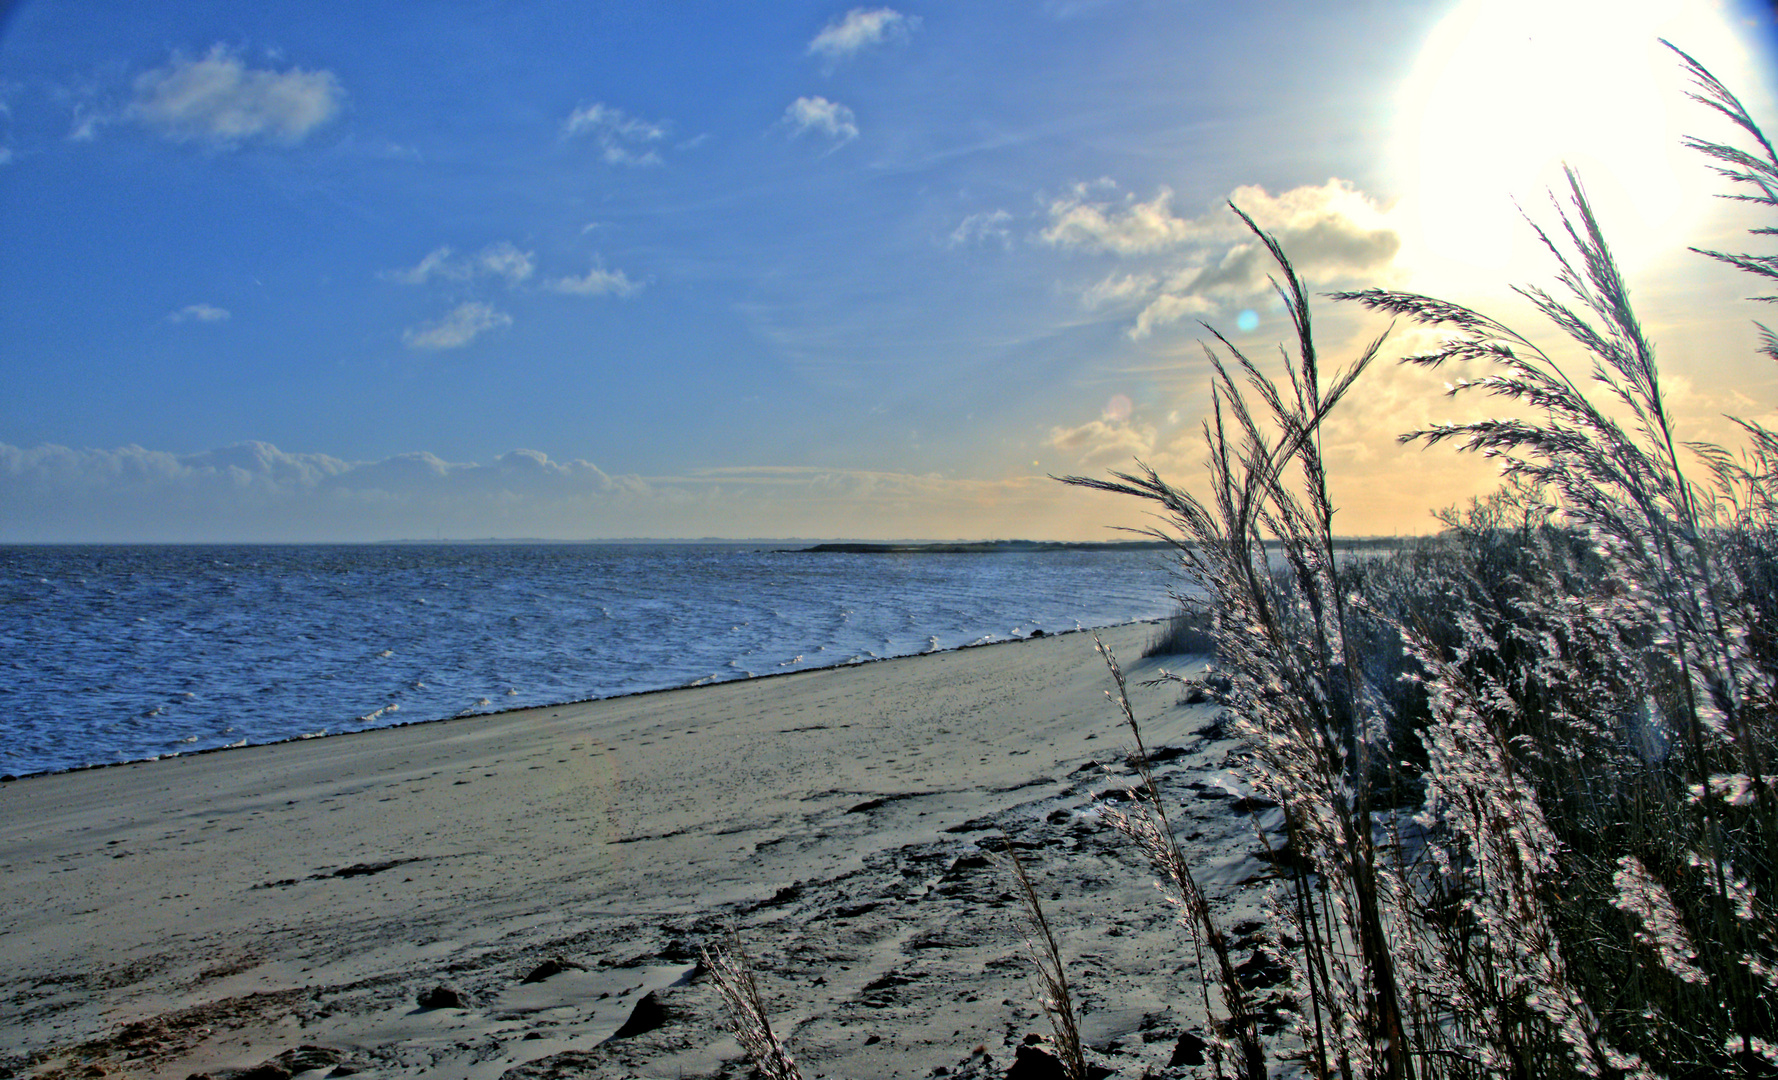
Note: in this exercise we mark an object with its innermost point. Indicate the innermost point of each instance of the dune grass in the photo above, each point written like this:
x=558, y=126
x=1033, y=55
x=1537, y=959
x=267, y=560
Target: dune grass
x=1525, y=769
x=735, y=982
x=1190, y=630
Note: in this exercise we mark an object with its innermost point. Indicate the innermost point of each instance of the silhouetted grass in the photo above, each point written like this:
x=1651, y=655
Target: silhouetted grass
x=1566, y=702
x=1188, y=631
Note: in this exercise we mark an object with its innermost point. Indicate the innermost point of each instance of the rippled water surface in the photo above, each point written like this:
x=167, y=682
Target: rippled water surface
x=122, y=653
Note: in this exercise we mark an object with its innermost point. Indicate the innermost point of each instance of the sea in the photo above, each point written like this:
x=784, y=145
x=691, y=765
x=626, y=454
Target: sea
x=127, y=653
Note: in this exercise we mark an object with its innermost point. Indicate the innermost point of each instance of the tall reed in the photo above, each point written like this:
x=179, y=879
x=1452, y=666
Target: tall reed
x=1525, y=769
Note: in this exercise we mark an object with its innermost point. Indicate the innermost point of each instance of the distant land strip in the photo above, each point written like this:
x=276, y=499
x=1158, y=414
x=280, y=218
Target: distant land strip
x=993, y=547
x=980, y=547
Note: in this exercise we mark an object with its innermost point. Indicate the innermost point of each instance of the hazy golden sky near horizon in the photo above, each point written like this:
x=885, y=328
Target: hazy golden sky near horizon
x=299, y=271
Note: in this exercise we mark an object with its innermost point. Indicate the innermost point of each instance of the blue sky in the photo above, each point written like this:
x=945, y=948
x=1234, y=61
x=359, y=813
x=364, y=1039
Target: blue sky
x=361, y=271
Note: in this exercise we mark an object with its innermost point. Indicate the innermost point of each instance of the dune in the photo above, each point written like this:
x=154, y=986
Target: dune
x=501, y=896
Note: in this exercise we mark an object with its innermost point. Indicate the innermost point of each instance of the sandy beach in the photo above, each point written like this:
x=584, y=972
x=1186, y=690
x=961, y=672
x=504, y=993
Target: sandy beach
x=217, y=912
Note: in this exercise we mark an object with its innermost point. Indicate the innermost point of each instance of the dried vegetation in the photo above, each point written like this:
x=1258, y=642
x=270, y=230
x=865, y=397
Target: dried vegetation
x=1525, y=768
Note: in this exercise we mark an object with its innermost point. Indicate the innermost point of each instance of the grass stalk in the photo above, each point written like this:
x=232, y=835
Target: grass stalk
x=733, y=973
x=1052, y=974
x=1149, y=828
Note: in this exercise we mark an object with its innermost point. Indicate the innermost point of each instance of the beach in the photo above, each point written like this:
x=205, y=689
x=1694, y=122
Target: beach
x=209, y=913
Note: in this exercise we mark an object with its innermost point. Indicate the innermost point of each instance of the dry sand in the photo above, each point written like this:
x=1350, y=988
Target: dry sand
x=208, y=913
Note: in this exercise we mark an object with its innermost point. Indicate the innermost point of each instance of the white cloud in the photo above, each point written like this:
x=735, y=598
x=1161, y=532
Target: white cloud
x=597, y=281
x=463, y=325
x=437, y=263
x=198, y=313
x=221, y=101
x=1169, y=308
x=245, y=465
x=860, y=29
x=517, y=473
x=1132, y=229
x=501, y=260
x=1118, y=290
x=1105, y=439
x=51, y=469
x=1334, y=226
x=977, y=228
x=822, y=116
x=1066, y=10
x=1331, y=232
x=88, y=120
x=7, y=89
x=255, y=491
x=623, y=139
x=506, y=261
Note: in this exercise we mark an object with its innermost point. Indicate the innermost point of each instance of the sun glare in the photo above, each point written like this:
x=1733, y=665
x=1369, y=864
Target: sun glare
x=1507, y=91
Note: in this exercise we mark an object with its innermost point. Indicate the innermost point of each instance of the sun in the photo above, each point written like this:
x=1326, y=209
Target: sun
x=1505, y=92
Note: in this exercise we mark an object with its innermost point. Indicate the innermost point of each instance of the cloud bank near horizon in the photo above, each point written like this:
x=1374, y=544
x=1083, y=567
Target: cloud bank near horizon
x=255, y=492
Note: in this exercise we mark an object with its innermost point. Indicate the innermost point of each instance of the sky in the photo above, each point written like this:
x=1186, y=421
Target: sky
x=317, y=271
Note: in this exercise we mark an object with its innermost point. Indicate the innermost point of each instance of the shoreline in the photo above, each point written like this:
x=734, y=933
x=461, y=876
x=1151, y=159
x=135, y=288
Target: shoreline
x=698, y=684
x=199, y=914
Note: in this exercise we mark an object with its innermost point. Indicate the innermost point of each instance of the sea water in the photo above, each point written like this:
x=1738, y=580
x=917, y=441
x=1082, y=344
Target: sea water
x=118, y=653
